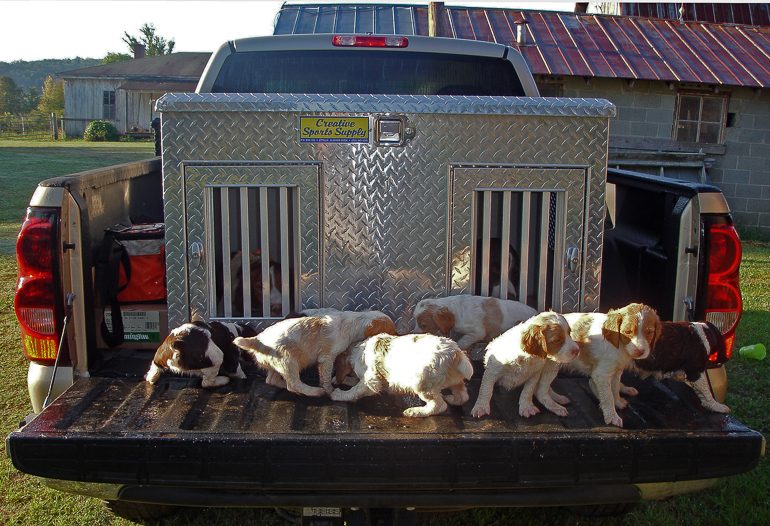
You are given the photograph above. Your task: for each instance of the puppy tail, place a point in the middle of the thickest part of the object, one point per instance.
(463, 365)
(251, 344)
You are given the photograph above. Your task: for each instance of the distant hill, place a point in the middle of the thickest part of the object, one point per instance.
(33, 73)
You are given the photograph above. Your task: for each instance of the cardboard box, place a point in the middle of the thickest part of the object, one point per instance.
(145, 325)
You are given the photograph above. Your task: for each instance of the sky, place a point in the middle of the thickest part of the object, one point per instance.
(41, 29)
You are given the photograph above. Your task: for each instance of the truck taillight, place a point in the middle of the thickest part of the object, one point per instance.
(369, 41)
(723, 296)
(37, 304)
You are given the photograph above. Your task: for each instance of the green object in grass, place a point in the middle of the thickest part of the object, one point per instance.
(756, 351)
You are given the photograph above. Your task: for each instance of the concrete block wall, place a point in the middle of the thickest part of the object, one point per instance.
(646, 110)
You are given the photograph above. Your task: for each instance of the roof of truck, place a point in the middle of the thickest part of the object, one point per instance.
(566, 43)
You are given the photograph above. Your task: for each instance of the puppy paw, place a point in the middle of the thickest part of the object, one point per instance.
(528, 410)
(614, 420)
(559, 399)
(558, 410)
(630, 391)
(217, 381)
(479, 411)
(460, 399)
(621, 403)
(716, 407)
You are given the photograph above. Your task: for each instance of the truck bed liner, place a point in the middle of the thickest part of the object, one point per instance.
(250, 435)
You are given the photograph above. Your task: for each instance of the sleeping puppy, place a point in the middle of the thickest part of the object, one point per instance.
(473, 319)
(685, 347)
(199, 349)
(291, 345)
(520, 356)
(416, 364)
(608, 343)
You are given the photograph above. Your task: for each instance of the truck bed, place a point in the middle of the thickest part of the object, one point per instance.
(116, 428)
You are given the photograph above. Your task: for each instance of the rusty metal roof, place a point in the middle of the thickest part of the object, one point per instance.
(719, 13)
(558, 43)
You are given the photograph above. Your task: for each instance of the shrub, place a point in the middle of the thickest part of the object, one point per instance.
(101, 131)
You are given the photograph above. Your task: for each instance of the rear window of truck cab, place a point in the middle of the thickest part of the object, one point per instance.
(367, 72)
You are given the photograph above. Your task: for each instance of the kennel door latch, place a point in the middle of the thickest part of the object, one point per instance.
(573, 259)
(196, 254)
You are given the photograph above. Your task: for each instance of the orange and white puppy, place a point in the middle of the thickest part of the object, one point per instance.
(417, 364)
(520, 356)
(608, 343)
(470, 319)
(289, 346)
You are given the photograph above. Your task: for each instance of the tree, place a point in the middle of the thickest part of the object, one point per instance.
(29, 101)
(52, 100)
(115, 57)
(154, 45)
(11, 95)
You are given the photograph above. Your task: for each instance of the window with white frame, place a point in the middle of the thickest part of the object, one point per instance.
(700, 117)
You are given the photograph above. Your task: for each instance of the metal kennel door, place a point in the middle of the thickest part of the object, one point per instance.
(538, 212)
(247, 216)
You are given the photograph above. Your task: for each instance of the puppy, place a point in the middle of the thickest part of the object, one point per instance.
(472, 318)
(257, 285)
(520, 356)
(686, 347)
(199, 349)
(416, 364)
(495, 268)
(608, 343)
(291, 345)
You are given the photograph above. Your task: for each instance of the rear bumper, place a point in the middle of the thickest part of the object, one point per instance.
(529, 497)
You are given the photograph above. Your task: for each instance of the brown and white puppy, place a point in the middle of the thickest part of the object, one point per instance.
(199, 349)
(608, 343)
(470, 319)
(416, 364)
(256, 284)
(291, 345)
(686, 347)
(520, 356)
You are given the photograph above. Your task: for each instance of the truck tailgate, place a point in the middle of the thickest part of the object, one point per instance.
(249, 435)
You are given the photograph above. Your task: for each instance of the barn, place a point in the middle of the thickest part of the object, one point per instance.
(691, 92)
(124, 93)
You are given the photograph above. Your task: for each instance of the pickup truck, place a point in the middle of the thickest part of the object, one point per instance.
(358, 172)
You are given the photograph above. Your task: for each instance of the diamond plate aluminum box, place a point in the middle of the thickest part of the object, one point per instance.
(384, 221)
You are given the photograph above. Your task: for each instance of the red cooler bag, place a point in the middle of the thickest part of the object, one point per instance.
(131, 268)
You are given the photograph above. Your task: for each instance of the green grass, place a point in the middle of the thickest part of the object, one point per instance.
(25, 163)
(742, 500)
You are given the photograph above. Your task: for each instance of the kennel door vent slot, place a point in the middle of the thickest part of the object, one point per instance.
(254, 227)
(518, 251)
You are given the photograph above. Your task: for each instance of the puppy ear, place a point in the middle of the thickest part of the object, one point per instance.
(380, 325)
(611, 327)
(656, 320)
(444, 319)
(533, 341)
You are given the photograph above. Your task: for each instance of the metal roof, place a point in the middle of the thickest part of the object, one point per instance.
(720, 13)
(558, 43)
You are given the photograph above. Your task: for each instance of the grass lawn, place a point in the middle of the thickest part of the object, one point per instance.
(742, 500)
